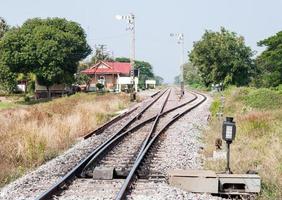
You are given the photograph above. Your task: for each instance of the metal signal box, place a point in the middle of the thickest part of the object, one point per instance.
(228, 130)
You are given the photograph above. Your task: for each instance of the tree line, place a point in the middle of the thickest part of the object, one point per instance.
(49, 50)
(223, 57)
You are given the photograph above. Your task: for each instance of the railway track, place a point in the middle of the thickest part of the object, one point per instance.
(128, 148)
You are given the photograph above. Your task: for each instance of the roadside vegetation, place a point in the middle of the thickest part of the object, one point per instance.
(258, 143)
(254, 98)
(30, 136)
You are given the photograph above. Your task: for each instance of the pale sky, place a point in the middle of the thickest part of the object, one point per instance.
(155, 20)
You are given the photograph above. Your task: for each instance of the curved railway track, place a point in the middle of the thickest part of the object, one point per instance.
(127, 148)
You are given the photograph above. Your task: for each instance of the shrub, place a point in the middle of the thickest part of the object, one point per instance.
(26, 99)
(100, 86)
(215, 107)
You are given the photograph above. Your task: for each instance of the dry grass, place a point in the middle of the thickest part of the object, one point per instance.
(31, 136)
(258, 143)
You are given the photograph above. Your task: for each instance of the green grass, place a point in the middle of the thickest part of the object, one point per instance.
(6, 105)
(215, 107)
(258, 142)
(263, 99)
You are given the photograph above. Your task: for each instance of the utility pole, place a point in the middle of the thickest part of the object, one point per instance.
(131, 27)
(180, 41)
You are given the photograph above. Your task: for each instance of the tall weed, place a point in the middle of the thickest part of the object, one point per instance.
(30, 136)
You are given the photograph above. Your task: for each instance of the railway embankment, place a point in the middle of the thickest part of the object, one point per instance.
(258, 143)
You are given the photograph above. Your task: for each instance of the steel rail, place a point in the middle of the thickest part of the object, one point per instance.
(153, 127)
(76, 171)
(114, 120)
(109, 123)
(155, 93)
(115, 140)
(121, 194)
(109, 147)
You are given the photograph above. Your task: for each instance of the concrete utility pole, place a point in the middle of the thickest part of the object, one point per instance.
(130, 27)
(180, 41)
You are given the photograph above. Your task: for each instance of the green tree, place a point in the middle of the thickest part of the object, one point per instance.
(100, 55)
(50, 48)
(269, 62)
(8, 81)
(145, 70)
(159, 80)
(191, 75)
(82, 66)
(222, 57)
(82, 79)
(3, 27)
(177, 80)
(122, 59)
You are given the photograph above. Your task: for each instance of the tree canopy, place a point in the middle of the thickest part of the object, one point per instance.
(191, 75)
(50, 48)
(3, 27)
(270, 61)
(159, 80)
(100, 55)
(8, 80)
(222, 57)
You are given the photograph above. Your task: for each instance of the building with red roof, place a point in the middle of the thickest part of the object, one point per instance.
(113, 75)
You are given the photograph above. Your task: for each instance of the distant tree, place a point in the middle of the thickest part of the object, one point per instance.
(8, 80)
(222, 57)
(191, 75)
(122, 59)
(82, 66)
(100, 55)
(177, 80)
(159, 80)
(269, 62)
(145, 70)
(3, 27)
(82, 79)
(50, 48)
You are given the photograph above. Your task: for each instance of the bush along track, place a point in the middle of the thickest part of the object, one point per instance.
(258, 143)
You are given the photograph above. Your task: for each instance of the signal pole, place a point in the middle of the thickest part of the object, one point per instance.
(180, 41)
(131, 27)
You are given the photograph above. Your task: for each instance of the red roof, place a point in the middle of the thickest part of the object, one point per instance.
(110, 68)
